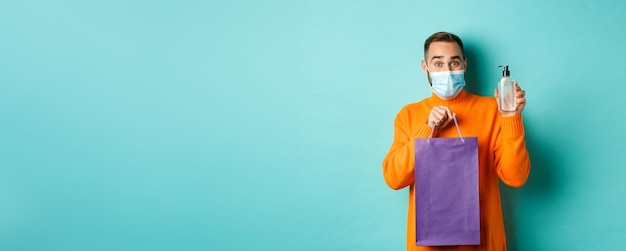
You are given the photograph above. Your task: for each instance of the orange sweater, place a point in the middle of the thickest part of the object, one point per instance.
(501, 149)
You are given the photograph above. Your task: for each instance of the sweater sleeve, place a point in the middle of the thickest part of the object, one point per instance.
(399, 163)
(512, 163)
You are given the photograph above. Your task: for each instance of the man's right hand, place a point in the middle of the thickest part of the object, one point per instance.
(440, 116)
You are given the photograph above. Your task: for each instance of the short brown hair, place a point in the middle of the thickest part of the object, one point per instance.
(443, 36)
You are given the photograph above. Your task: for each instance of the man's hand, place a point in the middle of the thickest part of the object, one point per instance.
(520, 100)
(440, 116)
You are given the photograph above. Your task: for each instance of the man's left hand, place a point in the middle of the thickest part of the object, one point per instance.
(520, 101)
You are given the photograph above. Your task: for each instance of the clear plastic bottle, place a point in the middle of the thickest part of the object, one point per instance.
(506, 91)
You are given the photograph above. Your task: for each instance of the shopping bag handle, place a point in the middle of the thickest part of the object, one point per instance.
(457, 128)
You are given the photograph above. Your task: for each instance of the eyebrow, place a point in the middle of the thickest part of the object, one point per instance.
(440, 57)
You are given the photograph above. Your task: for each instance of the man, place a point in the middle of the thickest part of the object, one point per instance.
(501, 146)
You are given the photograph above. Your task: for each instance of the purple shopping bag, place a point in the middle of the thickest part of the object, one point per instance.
(446, 191)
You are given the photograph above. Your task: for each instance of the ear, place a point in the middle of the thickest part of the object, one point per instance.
(424, 67)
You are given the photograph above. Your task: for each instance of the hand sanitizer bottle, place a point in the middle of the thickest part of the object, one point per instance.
(506, 91)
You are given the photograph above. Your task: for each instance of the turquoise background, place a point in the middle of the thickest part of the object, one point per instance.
(262, 125)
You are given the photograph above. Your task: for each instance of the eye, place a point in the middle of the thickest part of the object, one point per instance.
(455, 63)
(438, 64)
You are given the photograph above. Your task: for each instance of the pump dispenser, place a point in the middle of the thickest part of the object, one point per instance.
(506, 91)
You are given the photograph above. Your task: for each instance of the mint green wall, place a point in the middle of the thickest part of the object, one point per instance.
(262, 125)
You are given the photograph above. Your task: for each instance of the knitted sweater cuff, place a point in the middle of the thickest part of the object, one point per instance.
(512, 125)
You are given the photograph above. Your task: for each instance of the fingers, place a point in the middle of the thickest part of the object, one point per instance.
(441, 112)
(449, 113)
(520, 97)
(436, 117)
(519, 93)
(440, 116)
(521, 102)
(449, 116)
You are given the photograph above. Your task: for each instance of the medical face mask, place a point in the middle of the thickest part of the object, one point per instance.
(447, 84)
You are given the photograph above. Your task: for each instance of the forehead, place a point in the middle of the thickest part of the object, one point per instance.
(443, 49)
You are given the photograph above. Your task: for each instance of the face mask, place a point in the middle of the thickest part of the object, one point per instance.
(447, 84)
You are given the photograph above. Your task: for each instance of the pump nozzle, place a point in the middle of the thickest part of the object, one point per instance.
(505, 72)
